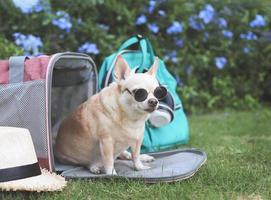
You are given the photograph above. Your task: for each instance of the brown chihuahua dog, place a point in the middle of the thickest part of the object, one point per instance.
(108, 123)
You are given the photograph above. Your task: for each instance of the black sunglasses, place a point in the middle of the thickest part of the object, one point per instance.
(142, 94)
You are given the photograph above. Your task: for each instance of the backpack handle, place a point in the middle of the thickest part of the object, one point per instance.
(16, 68)
(145, 48)
(129, 42)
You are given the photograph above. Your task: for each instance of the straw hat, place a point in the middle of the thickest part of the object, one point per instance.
(19, 168)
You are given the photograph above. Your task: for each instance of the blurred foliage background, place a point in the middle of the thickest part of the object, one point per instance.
(218, 50)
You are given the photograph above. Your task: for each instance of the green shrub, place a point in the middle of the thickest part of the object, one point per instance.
(8, 48)
(216, 47)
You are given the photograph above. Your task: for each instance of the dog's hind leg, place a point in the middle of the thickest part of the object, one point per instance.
(125, 155)
(65, 159)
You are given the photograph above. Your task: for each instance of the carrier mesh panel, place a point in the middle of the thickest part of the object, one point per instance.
(67, 94)
(23, 105)
(64, 101)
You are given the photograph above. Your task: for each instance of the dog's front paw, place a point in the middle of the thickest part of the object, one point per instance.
(139, 166)
(111, 172)
(114, 172)
(95, 169)
(142, 167)
(146, 158)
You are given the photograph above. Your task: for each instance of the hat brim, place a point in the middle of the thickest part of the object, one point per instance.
(45, 182)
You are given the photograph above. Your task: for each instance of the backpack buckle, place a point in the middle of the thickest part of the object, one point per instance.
(139, 37)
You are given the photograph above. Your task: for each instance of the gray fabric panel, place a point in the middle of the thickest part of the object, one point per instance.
(169, 166)
(68, 77)
(72, 63)
(23, 105)
(16, 69)
(66, 98)
(70, 71)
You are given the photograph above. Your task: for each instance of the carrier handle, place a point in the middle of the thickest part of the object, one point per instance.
(16, 69)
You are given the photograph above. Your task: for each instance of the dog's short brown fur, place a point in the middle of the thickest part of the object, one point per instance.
(108, 123)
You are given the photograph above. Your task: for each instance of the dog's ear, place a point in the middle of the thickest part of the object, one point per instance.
(153, 70)
(122, 69)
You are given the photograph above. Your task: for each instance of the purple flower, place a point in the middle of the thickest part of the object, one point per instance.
(259, 21)
(29, 43)
(103, 27)
(79, 21)
(220, 62)
(179, 43)
(172, 56)
(222, 23)
(206, 36)
(142, 19)
(90, 48)
(207, 14)
(194, 23)
(175, 28)
(62, 21)
(227, 34)
(248, 36)
(29, 6)
(153, 28)
(38, 8)
(246, 50)
(152, 4)
(162, 13)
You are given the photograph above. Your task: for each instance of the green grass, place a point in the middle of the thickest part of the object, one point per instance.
(238, 145)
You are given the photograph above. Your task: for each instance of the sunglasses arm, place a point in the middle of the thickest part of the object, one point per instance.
(128, 91)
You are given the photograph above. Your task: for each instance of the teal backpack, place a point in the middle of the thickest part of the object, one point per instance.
(155, 138)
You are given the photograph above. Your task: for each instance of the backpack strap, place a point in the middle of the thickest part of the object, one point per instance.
(16, 69)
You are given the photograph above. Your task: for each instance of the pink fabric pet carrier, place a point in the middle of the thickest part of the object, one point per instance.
(37, 93)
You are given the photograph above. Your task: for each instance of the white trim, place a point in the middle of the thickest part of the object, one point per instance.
(179, 106)
(48, 126)
(165, 106)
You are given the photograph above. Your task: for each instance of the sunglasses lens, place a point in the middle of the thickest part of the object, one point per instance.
(160, 92)
(140, 95)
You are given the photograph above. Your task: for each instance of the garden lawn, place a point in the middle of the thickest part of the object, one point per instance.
(238, 145)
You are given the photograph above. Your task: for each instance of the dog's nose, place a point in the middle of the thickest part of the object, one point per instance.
(152, 102)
